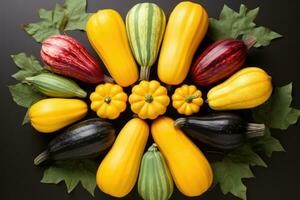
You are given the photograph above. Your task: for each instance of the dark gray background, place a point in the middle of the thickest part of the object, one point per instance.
(19, 179)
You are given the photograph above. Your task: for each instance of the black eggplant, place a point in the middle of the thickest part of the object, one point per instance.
(83, 140)
(220, 130)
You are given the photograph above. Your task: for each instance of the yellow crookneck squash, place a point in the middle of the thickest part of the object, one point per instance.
(190, 169)
(49, 115)
(107, 33)
(248, 88)
(187, 99)
(185, 30)
(118, 172)
(149, 99)
(108, 100)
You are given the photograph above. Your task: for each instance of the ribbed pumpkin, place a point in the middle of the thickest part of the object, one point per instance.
(56, 86)
(248, 88)
(119, 169)
(49, 115)
(185, 30)
(106, 32)
(190, 169)
(155, 181)
(145, 24)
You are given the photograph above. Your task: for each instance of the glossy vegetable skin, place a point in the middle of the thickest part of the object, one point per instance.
(145, 24)
(66, 56)
(149, 99)
(187, 99)
(220, 60)
(220, 130)
(185, 30)
(56, 86)
(118, 172)
(108, 100)
(106, 32)
(248, 88)
(155, 181)
(86, 139)
(190, 169)
(49, 115)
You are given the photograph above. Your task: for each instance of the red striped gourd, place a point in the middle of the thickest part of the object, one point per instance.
(145, 24)
(185, 30)
(155, 181)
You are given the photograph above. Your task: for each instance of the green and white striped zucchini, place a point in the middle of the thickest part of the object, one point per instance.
(56, 86)
(155, 181)
(145, 24)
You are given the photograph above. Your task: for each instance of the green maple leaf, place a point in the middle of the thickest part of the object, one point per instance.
(69, 16)
(277, 111)
(73, 172)
(233, 24)
(28, 66)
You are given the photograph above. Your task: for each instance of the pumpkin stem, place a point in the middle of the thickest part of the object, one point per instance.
(249, 42)
(145, 73)
(153, 147)
(189, 99)
(148, 98)
(107, 99)
(179, 122)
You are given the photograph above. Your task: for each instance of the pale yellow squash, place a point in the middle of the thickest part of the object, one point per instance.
(118, 172)
(107, 33)
(190, 169)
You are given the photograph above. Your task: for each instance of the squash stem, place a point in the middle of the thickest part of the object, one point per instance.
(255, 130)
(108, 79)
(153, 147)
(41, 158)
(249, 42)
(179, 122)
(81, 93)
(189, 99)
(145, 73)
(148, 98)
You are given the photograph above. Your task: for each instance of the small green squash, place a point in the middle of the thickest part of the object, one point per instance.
(145, 24)
(56, 86)
(155, 181)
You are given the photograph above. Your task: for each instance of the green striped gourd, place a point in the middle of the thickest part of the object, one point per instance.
(145, 24)
(155, 181)
(56, 86)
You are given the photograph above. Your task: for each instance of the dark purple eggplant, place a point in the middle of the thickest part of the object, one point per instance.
(221, 130)
(83, 140)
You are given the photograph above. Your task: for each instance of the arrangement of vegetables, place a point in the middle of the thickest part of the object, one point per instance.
(144, 38)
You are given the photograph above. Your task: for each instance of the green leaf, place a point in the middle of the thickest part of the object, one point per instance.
(24, 95)
(277, 111)
(73, 172)
(70, 16)
(51, 23)
(266, 144)
(77, 16)
(28, 65)
(26, 118)
(229, 175)
(233, 24)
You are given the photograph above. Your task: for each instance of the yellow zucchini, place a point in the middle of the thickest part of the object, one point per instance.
(107, 34)
(190, 169)
(185, 30)
(118, 172)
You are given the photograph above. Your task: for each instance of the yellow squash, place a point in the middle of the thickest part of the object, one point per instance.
(190, 169)
(185, 30)
(149, 99)
(118, 171)
(108, 100)
(49, 115)
(248, 88)
(187, 99)
(107, 34)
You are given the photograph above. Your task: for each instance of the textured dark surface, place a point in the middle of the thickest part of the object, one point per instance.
(19, 179)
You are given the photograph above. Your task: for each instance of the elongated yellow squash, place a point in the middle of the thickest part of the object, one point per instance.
(190, 169)
(185, 30)
(248, 88)
(118, 172)
(49, 115)
(107, 34)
